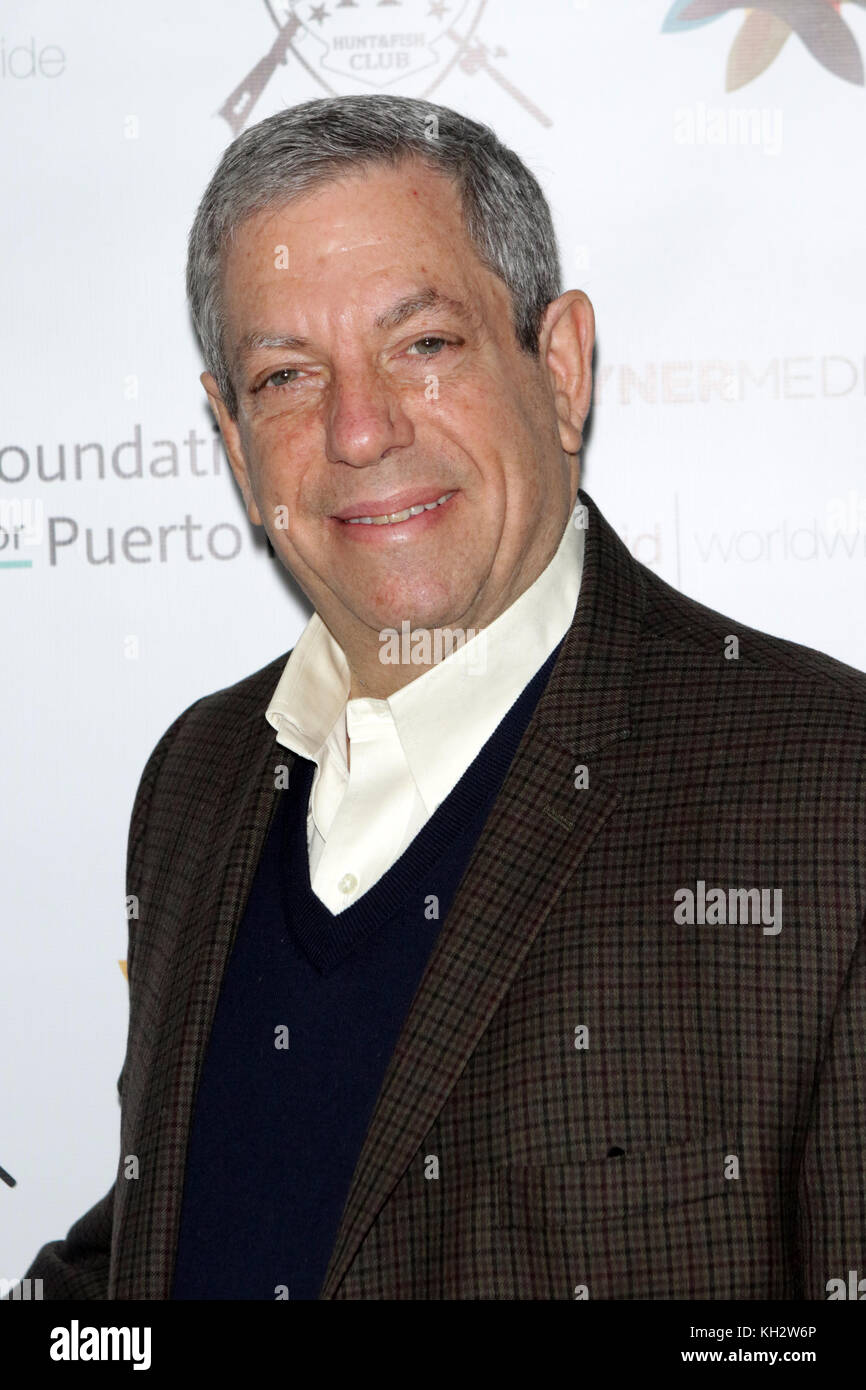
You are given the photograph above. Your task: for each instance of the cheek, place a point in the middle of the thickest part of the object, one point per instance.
(475, 428)
(489, 418)
(275, 473)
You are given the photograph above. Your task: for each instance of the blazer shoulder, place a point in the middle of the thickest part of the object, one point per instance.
(697, 632)
(213, 727)
(247, 698)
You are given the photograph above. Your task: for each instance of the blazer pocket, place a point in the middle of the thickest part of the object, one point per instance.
(576, 1195)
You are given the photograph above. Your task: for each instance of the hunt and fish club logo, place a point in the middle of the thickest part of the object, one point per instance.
(766, 28)
(349, 45)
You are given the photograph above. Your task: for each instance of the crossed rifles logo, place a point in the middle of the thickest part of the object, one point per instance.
(376, 43)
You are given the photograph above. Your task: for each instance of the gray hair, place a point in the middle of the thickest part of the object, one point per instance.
(507, 217)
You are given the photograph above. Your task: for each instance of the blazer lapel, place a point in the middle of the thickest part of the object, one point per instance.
(537, 834)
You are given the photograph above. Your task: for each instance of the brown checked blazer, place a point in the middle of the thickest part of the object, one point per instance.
(623, 1105)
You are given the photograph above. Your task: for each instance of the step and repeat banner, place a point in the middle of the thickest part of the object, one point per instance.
(704, 163)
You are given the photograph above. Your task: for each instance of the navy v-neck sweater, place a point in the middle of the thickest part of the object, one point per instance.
(308, 1016)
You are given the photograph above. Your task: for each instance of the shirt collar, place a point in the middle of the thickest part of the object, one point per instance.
(450, 710)
(311, 693)
(455, 706)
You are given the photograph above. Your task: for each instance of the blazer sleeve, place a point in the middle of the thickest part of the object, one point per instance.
(77, 1267)
(831, 1209)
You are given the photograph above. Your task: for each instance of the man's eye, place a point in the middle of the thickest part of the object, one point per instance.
(428, 339)
(281, 378)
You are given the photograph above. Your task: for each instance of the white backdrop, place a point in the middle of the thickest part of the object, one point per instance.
(719, 234)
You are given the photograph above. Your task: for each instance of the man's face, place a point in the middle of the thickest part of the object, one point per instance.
(377, 370)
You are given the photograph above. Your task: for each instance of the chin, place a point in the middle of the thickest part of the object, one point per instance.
(421, 609)
(419, 616)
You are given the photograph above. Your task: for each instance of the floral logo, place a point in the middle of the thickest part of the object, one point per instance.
(767, 26)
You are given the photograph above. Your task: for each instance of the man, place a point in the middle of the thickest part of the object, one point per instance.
(531, 970)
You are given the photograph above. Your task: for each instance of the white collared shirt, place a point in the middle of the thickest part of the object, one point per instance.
(410, 750)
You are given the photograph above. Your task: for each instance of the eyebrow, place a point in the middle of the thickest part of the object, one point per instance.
(412, 304)
(399, 313)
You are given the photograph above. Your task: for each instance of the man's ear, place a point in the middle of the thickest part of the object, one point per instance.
(566, 342)
(232, 440)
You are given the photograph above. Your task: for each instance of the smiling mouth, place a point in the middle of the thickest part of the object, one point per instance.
(391, 518)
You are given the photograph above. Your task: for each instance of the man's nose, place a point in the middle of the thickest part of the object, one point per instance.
(365, 419)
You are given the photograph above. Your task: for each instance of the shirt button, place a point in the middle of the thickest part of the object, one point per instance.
(348, 883)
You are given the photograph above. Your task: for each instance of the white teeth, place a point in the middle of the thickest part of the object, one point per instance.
(388, 519)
